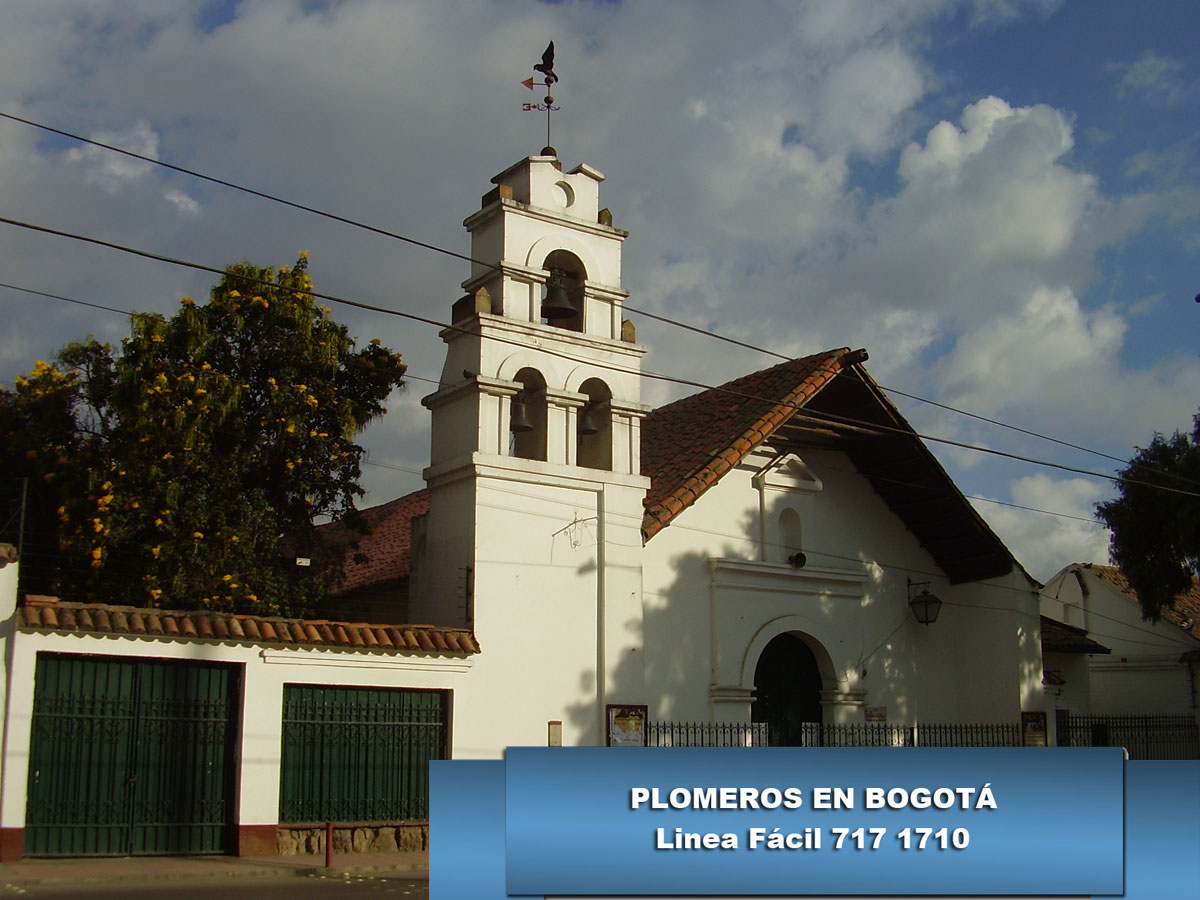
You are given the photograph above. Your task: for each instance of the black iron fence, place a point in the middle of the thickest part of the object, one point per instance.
(816, 734)
(706, 734)
(932, 734)
(1144, 736)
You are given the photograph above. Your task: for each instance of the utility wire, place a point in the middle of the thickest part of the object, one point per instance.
(828, 417)
(113, 309)
(414, 377)
(237, 187)
(492, 266)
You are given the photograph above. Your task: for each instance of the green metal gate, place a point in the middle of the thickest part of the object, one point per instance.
(359, 754)
(131, 757)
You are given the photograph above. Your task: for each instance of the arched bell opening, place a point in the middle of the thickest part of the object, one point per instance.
(527, 417)
(562, 300)
(593, 427)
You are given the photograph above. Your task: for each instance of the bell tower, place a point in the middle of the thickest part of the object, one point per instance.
(535, 488)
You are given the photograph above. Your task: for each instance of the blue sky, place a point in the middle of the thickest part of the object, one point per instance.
(999, 199)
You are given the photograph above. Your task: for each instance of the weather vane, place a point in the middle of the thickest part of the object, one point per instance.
(546, 67)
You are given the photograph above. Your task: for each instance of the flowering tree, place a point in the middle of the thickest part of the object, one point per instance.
(182, 467)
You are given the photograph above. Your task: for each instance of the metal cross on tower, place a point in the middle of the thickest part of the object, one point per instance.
(546, 67)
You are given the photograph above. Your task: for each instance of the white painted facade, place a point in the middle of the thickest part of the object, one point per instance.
(535, 543)
(573, 612)
(263, 673)
(1146, 672)
(535, 540)
(719, 587)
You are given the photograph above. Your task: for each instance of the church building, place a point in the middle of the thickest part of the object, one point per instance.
(759, 558)
(754, 552)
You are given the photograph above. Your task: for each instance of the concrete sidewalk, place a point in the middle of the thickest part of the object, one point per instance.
(109, 870)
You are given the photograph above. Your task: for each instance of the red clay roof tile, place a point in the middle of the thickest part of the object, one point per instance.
(382, 555)
(678, 452)
(49, 614)
(1184, 612)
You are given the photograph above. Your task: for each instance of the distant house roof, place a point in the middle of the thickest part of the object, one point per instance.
(1058, 637)
(380, 556)
(826, 399)
(48, 614)
(1184, 612)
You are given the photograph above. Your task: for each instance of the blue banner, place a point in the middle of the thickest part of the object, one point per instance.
(469, 803)
(814, 821)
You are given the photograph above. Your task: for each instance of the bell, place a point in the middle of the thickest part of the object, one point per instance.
(556, 304)
(518, 421)
(587, 425)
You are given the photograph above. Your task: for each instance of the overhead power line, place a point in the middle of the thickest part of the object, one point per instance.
(414, 377)
(492, 266)
(830, 417)
(238, 187)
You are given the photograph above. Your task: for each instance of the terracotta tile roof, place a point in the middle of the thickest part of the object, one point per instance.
(688, 445)
(1058, 637)
(381, 556)
(48, 614)
(1184, 612)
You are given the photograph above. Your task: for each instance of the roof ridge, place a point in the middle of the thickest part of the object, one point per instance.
(818, 370)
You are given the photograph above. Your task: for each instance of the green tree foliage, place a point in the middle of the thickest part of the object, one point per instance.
(1155, 522)
(186, 470)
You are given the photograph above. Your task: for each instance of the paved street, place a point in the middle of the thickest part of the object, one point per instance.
(258, 888)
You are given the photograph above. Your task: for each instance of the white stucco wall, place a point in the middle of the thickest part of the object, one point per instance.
(981, 660)
(1144, 673)
(263, 673)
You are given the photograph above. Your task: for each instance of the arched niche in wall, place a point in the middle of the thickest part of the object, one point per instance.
(527, 418)
(562, 299)
(784, 484)
(791, 533)
(594, 427)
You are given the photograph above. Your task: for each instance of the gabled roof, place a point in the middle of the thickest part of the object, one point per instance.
(1059, 637)
(47, 614)
(689, 444)
(825, 400)
(1184, 612)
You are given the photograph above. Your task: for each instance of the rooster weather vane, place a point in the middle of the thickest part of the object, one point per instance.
(546, 68)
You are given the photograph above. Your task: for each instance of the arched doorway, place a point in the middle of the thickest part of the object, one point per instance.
(787, 688)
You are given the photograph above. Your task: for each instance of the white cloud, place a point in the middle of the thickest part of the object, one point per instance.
(182, 202)
(1056, 366)
(1157, 79)
(862, 98)
(961, 260)
(1044, 543)
(109, 170)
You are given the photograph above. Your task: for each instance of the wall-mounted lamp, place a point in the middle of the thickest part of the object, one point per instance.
(924, 605)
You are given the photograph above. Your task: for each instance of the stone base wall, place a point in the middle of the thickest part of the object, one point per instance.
(301, 840)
